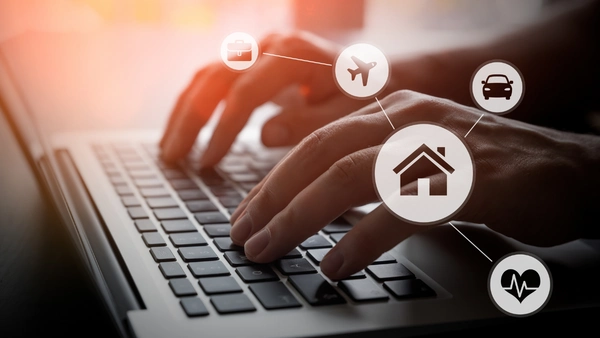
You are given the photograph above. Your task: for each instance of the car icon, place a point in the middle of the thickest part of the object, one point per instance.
(497, 85)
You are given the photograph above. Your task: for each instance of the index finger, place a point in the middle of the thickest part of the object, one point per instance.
(270, 75)
(194, 107)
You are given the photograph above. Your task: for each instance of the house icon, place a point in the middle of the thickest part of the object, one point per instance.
(422, 164)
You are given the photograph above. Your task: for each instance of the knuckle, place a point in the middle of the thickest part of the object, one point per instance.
(403, 95)
(344, 170)
(294, 42)
(418, 104)
(265, 197)
(292, 214)
(312, 143)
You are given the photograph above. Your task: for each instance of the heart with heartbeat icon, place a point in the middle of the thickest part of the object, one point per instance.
(520, 285)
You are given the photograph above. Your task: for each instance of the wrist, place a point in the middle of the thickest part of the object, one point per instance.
(445, 74)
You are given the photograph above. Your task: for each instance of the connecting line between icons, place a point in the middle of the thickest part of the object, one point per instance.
(473, 244)
(467, 134)
(384, 113)
(296, 59)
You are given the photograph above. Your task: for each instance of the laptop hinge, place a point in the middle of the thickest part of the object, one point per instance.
(104, 265)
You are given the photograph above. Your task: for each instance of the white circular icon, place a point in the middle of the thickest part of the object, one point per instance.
(239, 51)
(361, 71)
(497, 87)
(520, 284)
(424, 173)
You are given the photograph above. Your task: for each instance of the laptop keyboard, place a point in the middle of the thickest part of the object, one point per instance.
(201, 243)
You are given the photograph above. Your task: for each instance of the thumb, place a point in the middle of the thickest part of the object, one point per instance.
(286, 128)
(295, 123)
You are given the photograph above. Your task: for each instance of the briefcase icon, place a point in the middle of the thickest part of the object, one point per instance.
(239, 51)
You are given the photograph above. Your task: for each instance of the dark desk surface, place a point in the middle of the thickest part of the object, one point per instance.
(44, 289)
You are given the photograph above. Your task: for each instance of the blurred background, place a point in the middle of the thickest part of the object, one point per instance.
(320, 16)
(122, 63)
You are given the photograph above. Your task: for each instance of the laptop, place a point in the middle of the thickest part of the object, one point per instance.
(154, 237)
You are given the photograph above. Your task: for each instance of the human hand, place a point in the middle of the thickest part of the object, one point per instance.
(320, 104)
(524, 175)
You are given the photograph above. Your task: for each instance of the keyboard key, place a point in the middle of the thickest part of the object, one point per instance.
(197, 253)
(237, 258)
(134, 163)
(187, 239)
(162, 254)
(169, 213)
(173, 174)
(385, 259)
(235, 167)
(130, 201)
(247, 186)
(171, 269)
(123, 190)
(256, 273)
(180, 225)
(225, 244)
(147, 182)
(193, 307)
(338, 225)
(316, 290)
(385, 272)
(295, 266)
(218, 230)
(182, 287)
(153, 239)
(244, 177)
(154, 192)
(361, 290)
(337, 236)
(224, 191)
(274, 295)
(232, 303)
(215, 285)
(293, 254)
(161, 202)
(357, 275)
(183, 183)
(201, 206)
(210, 176)
(112, 171)
(137, 212)
(139, 174)
(192, 194)
(230, 202)
(409, 288)
(144, 225)
(208, 269)
(261, 166)
(317, 255)
(315, 242)
(117, 180)
(211, 217)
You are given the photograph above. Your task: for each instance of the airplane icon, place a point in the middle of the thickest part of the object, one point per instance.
(363, 69)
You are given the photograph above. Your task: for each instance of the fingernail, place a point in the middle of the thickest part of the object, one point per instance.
(257, 243)
(241, 229)
(276, 134)
(332, 262)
